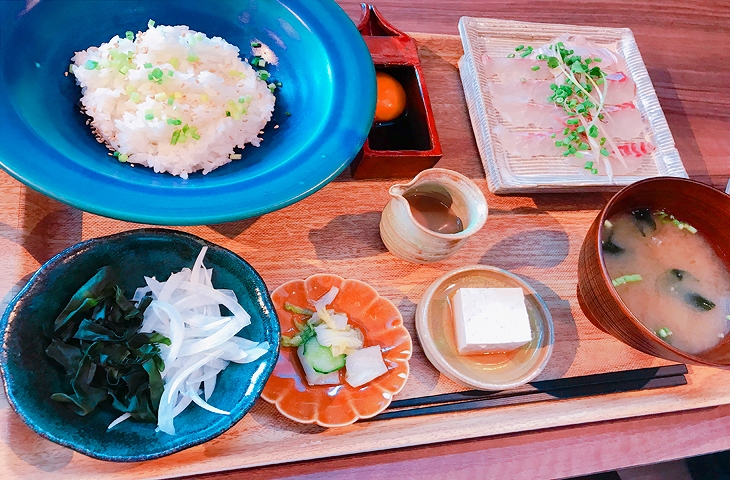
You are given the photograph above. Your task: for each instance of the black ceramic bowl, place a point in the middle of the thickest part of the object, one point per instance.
(31, 377)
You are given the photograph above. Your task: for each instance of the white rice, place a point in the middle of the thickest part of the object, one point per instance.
(220, 98)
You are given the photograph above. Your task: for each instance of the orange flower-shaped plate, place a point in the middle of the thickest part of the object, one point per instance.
(337, 405)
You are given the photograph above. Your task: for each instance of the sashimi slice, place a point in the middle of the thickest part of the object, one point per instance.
(610, 60)
(621, 89)
(536, 144)
(530, 114)
(622, 121)
(516, 69)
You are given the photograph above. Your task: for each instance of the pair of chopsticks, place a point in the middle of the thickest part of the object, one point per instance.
(562, 388)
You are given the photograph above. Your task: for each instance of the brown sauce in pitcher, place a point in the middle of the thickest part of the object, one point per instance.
(433, 211)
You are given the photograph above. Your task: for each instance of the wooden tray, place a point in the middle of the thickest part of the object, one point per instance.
(336, 231)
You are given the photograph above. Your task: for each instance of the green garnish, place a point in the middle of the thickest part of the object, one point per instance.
(519, 47)
(170, 73)
(174, 121)
(511, 55)
(157, 73)
(298, 310)
(106, 360)
(175, 137)
(263, 75)
(174, 62)
(129, 35)
(170, 100)
(149, 115)
(255, 44)
(123, 157)
(604, 152)
(91, 64)
(663, 333)
(535, 68)
(192, 57)
(134, 96)
(626, 279)
(151, 24)
(589, 166)
(148, 65)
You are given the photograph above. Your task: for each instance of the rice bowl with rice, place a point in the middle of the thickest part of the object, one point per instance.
(173, 99)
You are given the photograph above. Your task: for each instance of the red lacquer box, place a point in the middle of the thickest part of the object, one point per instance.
(409, 144)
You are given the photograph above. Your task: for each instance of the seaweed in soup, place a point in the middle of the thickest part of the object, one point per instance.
(680, 282)
(644, 220)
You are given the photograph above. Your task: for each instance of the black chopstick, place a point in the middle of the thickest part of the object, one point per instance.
(562, 388)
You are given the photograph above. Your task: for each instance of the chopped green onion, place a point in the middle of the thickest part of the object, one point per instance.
(519, 47)
(170, 73)
(263, 75)
(663, 333)
(580, 129)
(192, 57)
(255, 44)
(134, 96)
(151, 24)
(124, 69)
(602, 141)
(511, 55)
(593, 131)
(594, 171)
(589, 166)
(90, 64)
(175, 137)
(157, 73)
(115, 154)
(174, 121)
(552, 62)
(123, 157)
(553, 135)
(174, 62)
(170, 101)
(572, 121)
(195, 136)
(228, 114)
(535, 68)
(241, 99)
(596, 59)
(148, 65)
(129, 35)
(149, 116)
(604, 152)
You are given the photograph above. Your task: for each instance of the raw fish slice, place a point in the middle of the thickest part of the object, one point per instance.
(527, 144)
(621, 89)
(623, 122)
(530, 114)
(536, 91)
(511, 70)
(610, 60)
(536, 144)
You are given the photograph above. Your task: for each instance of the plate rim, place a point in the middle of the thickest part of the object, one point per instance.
(445, 367)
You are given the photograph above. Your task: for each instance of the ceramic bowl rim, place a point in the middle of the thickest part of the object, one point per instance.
(445, 367)
(49, 266)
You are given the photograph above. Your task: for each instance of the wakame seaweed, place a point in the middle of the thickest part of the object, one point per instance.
(106, 360)
(643, 220)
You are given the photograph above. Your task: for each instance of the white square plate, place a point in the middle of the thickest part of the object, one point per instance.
(509, 174)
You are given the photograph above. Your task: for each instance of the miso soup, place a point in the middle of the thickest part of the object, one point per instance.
(670, 278)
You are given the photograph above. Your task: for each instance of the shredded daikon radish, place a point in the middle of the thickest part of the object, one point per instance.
(186, 309)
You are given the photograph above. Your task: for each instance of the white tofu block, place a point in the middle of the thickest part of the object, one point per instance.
(490, 320)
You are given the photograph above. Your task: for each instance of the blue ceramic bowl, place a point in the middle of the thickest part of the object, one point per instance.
(31, 377)
(328, 88)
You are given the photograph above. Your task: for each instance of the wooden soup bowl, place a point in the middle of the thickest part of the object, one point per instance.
(705, 208)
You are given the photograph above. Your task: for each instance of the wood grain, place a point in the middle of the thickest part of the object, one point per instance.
(537, 237)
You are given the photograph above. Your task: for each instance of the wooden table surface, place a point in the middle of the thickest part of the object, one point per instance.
(684, 47)
(692, 81)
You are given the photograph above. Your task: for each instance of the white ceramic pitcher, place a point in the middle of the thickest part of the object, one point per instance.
(406, 238)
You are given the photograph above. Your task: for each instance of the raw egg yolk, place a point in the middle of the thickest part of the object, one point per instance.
(391, 98)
